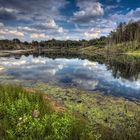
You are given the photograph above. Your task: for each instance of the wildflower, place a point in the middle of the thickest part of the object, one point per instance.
(36, 113)
(20, 118)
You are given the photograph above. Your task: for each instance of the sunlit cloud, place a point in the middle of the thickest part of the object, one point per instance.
(38, 36)
(89, 10)
(63, 19)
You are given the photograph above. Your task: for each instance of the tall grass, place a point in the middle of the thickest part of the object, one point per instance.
(25, 115)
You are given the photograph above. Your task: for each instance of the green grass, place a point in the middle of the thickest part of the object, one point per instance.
(125, 47)
(91, 50)
(87, 116)
(134, 53)
(109, 118)
(26, 115)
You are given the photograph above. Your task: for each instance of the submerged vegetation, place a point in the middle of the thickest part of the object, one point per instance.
(108, 117)
(29, 114)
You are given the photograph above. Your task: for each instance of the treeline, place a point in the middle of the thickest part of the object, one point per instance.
(50, 44)
(14, 44)
(125, 33)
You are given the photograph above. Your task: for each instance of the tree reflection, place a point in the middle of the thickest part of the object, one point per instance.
(124, 66)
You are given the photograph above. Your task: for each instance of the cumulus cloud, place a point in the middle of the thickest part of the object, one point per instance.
(131, 15)
(9, 32)
(37, 32)
(16, 33)
(48, 25)
(89, 10)
(30, 17)
(87, 19)
(32, 9)
(1, 25)
(97, 32)
(93, 33)
(134, 14)
(27, 29)
(7, 13)
(39, 36)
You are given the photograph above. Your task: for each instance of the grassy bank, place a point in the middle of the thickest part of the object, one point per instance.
(108, 117)
(30, 114)
(131, 48)
(4, 53)
(125, 47)
(134, 53)
(91, 51)
(27, 115)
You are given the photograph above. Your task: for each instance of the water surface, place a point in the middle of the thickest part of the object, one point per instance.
(109, 77)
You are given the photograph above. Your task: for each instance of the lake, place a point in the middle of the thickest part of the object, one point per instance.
(110, 76)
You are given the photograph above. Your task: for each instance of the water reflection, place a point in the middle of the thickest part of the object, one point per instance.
(124, 66)
(119, 77)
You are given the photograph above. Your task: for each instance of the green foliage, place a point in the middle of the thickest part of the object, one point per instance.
(17, 119)
(51, 45)
(125, 33)
(27, 115)
(108, 118)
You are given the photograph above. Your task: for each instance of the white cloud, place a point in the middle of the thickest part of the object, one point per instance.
(51, 24)
(93, 33)
(45, 31)
(96, 32)
(16, 33)
(134, 14)
(9, 32)
(60, 30)
(27, 29)
(110, 7)
(89, 10)
(33, 10)
(48, 26)
(39, 36)
(131, 15)
(10, 10)
(1, 25)
(44, 18)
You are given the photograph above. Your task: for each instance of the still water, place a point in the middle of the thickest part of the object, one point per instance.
(115, 77)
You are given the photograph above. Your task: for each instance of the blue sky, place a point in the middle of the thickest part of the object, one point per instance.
(64, 19)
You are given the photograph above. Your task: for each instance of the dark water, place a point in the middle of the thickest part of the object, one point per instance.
(119, 76)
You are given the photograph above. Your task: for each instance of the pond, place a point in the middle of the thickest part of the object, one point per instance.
(111, 76)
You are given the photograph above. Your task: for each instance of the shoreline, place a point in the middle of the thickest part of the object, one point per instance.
(15, 52)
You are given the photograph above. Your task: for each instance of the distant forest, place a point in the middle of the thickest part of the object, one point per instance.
(123, 33)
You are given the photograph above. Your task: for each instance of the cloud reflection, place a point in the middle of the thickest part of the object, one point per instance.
(82, 73)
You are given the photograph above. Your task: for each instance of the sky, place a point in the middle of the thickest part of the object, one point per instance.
(39, 20)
